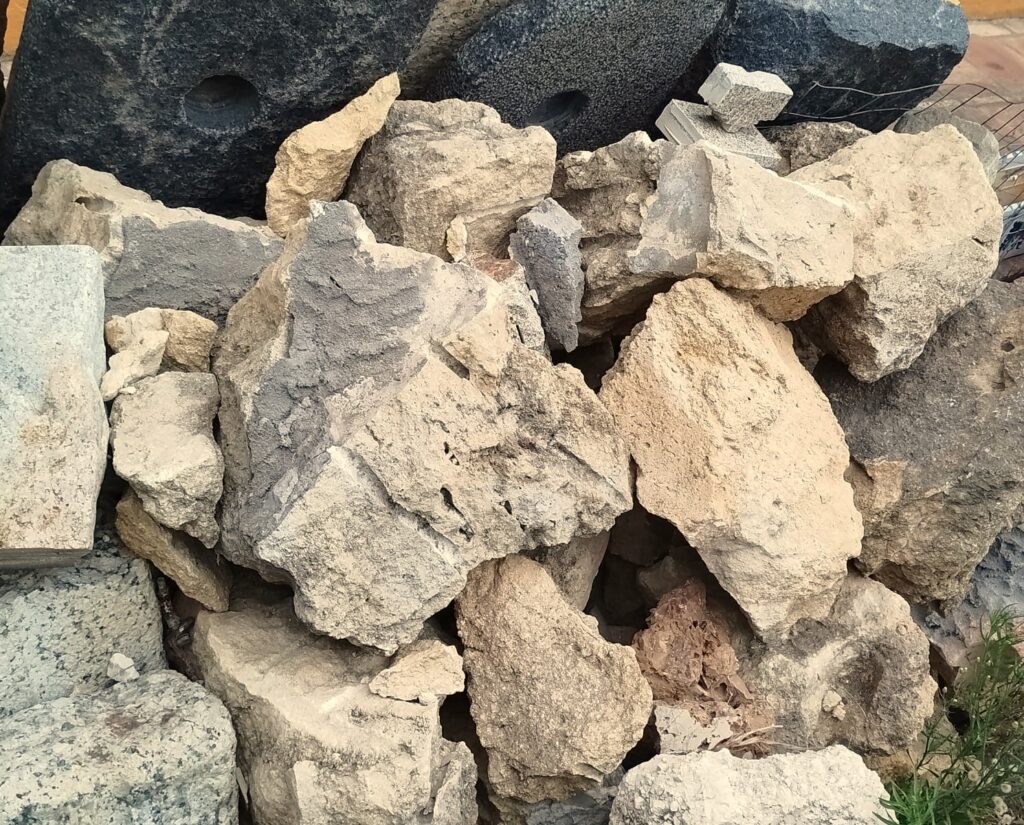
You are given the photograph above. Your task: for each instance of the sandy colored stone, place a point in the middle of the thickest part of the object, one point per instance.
(189, 337)
(121, 668)
(573, 566)
(141, 359)
(805, 143)
(738, 448)
(162, 439)
(423, 671)
(783, 245)
(985, 143)
(196, 570)
(556, 706)
(314, 162)
(926, 226)
(434, 163)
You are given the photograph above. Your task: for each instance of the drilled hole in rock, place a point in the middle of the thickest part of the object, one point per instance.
(1008, 346)
(558, 111)
(222, 103)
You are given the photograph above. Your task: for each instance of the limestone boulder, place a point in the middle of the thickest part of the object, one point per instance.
(314, 162)
(53, 426)
(737, 447)
(573, 566)
(805, 143)
(435, 164)
(860, 677)
(556, 706)
(926, 227)
(188, 342)
(717, 788)
(152, 256)
(936, 469)
(985, 144)
(783, 245)
(315, 744)
(162, 438)
(385, 432)
(157, 749)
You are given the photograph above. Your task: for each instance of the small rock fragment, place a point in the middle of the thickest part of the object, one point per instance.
(686, 123)
(573, 566)
(805, 143)
(680, 733)
(589, 807)
(121, 668)
(424, 671)
(140, 359)
(740, 99)
(162, 438)
(314, 162)
(189, 337)
(527, 650)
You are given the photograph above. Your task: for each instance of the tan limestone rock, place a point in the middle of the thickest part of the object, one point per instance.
(423, 671)
(189, 337)
(573, 566)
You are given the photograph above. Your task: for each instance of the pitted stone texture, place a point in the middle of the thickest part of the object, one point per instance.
(162, 439)
(438, 163)
(59, 628)
(385, 432)
(926, 227)
(190, 101)
(573, 566)
(688, 123)
(590, 72)
(188, 337)
(985, 144)
(741, 99)
(53, 427)
(315, 745)
(556, 706)
(859, 677)
(717, 788)
(837, 55)
(937, 471)
(152, 256)
(314, 162)
(157, 749)
(782, 245)
(805, 143)
(738, 448)
(547, 245)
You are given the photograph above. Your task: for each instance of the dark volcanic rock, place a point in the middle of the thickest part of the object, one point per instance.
(589, 71)
(876, 46)
(188, 100)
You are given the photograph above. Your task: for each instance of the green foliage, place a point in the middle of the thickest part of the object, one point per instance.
(974, 775)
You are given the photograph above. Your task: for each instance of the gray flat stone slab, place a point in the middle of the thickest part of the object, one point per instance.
(686, 123)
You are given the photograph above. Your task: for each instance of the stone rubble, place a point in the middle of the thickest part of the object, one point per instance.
(805, 143)
(740, 99)
(686, 123)
(121, 668)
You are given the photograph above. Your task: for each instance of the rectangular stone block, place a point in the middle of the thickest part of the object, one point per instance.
(740, 99)
(686, 123)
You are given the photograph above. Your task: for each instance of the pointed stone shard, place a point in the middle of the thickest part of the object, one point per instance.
(738, 448)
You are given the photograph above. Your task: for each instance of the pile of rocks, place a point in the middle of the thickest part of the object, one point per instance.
(485, 484)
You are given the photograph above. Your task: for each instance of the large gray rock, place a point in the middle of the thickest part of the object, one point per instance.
(159, 749)
(190, 101)
(716, 788)
(59, 628)
(590, 72)
(937, 471)
(385, 431)
(53, 427)
(984, 142)
(315, 744)
(152, 256)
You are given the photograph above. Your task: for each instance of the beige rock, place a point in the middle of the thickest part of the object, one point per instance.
(189, 338)
(805, 143)
(162, 438)
(573, 566)
(736, 445)
(314, 162)
(315, 745)
(437, 163)
(141, 359)
(424, 671)
(196, 570)
(926, 227)
(680, 733)
(783, 245)
(555, 705)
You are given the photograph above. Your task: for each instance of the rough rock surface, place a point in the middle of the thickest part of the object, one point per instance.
(685, 123)
(737, 447)
(717, 788)
(198, 572)
(432, 440)
(162, 438)
(985, 144)
(527, 649)
(573, 66)
(590, 807)
(435, 164)
(783, 245)
(805, 143)
(937, 471)
(315, 745)
(139, 359)
(573, 566)
(679, 731)
(59, 627)
(189, 337)
(158, 749)
(926, 227)
(741, 99)
(53, 427)
(547, 245)
(314, 162)
(152, 256)
(424, 671)
(859, 678)
(122, 668)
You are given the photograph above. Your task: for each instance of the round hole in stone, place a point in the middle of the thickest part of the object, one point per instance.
(1008, 346)
(558, 111)
(222, 103)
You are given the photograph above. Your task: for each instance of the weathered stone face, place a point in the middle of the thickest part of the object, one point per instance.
(741, 99)
(385, 432)
(805, 143)
(189, 102)
(53, 427)
(936, 469)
